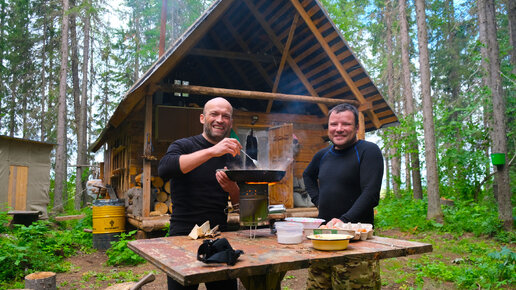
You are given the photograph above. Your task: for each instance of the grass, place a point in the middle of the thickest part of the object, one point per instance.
(470, 249)
(93, 279)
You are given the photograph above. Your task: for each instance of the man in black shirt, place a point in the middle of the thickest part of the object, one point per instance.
(199, 192)
(344, 182)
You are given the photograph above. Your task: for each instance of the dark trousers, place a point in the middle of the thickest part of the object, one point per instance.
(216, 285)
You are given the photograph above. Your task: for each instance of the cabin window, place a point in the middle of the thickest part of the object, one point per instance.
(184, 83)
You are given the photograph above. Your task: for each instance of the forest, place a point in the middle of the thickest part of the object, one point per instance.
(447, 69)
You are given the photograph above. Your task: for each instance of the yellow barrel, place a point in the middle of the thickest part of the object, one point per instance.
(108, 216)
(108, 222)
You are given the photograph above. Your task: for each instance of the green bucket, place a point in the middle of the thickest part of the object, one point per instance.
(498, 158)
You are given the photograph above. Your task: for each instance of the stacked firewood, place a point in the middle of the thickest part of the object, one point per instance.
(160, 197)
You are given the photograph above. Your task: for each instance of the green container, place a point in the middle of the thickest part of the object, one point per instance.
(498, 158)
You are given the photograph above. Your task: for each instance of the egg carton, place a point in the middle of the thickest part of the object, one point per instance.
(358, 231)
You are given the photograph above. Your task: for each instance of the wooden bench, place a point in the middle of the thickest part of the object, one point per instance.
(24, 217)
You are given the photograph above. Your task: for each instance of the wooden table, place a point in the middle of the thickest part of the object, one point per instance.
(264, 262)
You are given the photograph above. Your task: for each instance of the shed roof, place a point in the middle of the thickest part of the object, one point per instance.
(288, 47)
(7, 138)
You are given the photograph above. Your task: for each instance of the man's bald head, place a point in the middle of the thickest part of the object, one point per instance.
(217, 102)
(217, 119)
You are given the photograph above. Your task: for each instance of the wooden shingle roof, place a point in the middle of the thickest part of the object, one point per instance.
(287, 47)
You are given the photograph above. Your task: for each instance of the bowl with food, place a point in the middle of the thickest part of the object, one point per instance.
(330, 242)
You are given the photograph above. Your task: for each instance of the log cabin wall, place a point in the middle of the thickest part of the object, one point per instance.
(125, 148)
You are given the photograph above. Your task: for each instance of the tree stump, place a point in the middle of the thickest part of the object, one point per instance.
(41, 280)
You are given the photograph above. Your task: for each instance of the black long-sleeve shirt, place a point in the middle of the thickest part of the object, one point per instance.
(196, 196)
(345, 184)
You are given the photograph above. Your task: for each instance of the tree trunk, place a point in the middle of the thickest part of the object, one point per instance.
(91, 101)
(136, 74)
(60, 181)
(390, 96)
(482, 27)
(409, 101)
(75, 67)
(163, 27)
(43, 79)
(408, 175)
(41, 280)
(76, 100)
(511, 7)
(387, 173)
(2, 47)
(24, 112)
(434, 205)
(12, 110)
(83, 116)
(498, 133)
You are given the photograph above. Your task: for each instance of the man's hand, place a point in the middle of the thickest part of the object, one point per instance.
(228, 185)
(335, 222)
(188, 162)
(227, 145)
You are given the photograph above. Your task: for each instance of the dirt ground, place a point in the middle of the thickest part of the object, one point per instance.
(90, 271)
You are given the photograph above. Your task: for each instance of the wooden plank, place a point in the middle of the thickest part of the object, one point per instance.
(235, 65)
(147, 152)
(231, 55)
(69, 217)
(293, 65)
(17, 187)
(354, 87)
(283, 60)
(281, 157)
(361, 126)
(244, 118)
(244, 47)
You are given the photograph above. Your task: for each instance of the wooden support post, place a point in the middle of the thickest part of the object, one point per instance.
(147, 148)
(361, 126)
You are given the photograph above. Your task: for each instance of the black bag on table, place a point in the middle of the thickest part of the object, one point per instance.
(218, 251)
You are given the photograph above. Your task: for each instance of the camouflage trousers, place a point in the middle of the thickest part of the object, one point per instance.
(352, 275)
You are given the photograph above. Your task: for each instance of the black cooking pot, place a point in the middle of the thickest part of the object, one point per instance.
(254, 175)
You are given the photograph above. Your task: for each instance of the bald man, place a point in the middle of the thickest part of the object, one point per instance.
(199, 192)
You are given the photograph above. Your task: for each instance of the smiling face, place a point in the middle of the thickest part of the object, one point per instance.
(217, 120)
(342, 129)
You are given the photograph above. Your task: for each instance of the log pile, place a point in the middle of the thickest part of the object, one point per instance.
(160, 197)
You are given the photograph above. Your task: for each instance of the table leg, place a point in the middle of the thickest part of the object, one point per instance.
(267, 281)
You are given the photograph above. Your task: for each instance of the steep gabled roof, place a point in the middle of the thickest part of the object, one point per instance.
(282, 46)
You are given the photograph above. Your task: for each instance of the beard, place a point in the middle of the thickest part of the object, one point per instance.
(208, 130)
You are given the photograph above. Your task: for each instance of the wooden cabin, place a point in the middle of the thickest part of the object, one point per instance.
(282, 64)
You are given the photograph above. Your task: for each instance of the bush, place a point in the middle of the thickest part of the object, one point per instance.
(408, 214)
(38, 247)
(120, 254)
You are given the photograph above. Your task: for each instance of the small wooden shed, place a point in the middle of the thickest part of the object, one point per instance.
(281, 64)
(25, 169)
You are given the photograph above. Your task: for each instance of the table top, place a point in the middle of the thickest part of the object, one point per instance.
(177, 256)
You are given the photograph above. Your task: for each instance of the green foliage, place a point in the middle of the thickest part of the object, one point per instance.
(120, 254)
(408, 214)
(39, 247)
(464, 252)
(478, 270)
